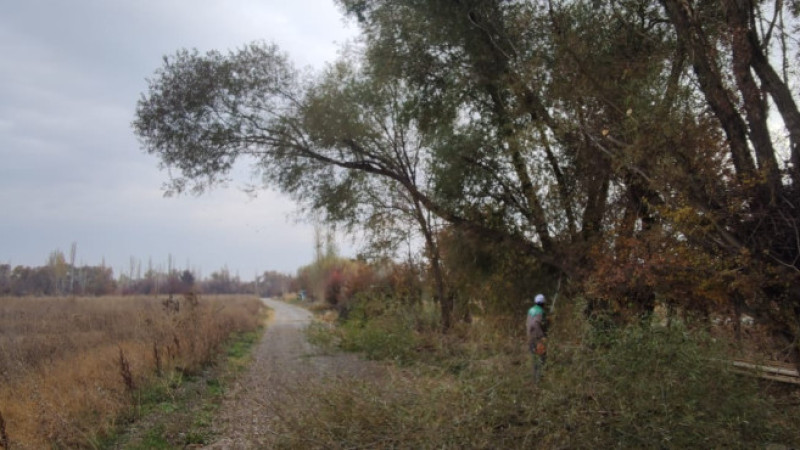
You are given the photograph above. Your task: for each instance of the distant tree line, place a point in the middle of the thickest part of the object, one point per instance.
(61, 278)
(175, 281)
(45, 281)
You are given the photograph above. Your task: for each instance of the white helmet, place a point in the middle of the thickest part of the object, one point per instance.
(539, 300)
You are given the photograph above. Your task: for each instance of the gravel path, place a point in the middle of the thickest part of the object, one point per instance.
(283, 362)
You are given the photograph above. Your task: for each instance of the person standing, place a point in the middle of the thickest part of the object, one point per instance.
(537, 334)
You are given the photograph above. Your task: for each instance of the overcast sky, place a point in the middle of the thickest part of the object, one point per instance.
(71, 168)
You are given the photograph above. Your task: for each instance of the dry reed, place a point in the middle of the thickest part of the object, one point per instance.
(68, 367)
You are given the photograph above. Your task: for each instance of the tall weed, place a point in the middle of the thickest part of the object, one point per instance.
(70, 369)
(654, 388)
(636, 387)
(382, 330)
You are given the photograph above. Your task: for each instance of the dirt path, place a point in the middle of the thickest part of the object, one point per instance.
(282, 363)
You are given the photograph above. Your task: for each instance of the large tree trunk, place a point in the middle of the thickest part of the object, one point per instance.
(711, 83)
(432, 249)
(782, 96)
(754, 104)
(445, 300)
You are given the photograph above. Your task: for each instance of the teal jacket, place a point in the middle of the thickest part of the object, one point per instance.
(535, 324)
(535, 310)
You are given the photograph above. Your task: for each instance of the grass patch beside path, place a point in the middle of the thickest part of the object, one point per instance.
(238, 351)
(177, 411)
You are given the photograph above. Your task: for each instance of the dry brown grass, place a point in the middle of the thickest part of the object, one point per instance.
(68, 367)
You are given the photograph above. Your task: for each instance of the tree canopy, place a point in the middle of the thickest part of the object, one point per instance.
(641, 150)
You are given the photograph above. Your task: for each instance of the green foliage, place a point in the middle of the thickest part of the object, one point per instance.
(203, 110)
(238, 352)
(632, 387)
(656, 388)
(495, 277)
(379, 330)
(176, 410)
(154, 439)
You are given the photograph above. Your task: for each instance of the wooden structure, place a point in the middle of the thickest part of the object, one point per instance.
(783, 372)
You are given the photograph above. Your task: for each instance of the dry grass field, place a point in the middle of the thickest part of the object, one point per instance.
(71, 368)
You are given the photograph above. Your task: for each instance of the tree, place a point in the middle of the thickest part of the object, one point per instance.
(187, 281)
(591, 136)
(73, 251)
(402, 140)
(274, 284)
(5, 279)
(98, 280)
(343, 145)
(59, 270)
(755, 225)
(521, 127)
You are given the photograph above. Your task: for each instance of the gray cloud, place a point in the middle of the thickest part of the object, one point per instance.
(72, 170)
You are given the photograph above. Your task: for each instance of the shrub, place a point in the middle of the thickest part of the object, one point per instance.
(653, 388)
(631, 387)
(379, 331)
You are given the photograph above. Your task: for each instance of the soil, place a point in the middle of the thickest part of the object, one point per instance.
(282, 363)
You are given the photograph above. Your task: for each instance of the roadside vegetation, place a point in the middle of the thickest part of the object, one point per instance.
(179, 411)
(612, 380)
(76, 371)
(646, 385)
